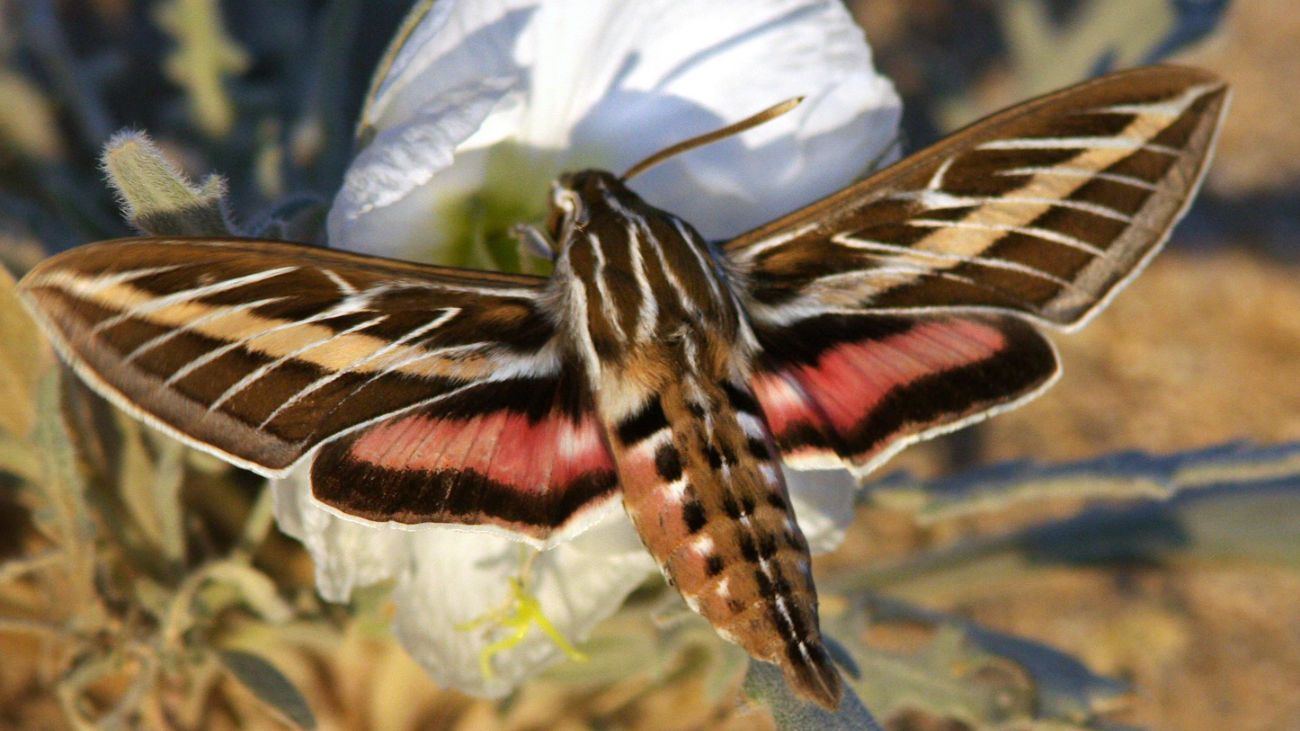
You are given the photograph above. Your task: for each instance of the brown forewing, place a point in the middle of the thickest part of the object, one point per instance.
(1043, 209)
(260, 350)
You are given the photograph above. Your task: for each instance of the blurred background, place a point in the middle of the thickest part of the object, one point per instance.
(1121, 553)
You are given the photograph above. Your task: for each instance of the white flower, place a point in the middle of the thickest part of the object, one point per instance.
(485, 103)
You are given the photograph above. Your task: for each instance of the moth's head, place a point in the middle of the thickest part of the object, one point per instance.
(574, 195)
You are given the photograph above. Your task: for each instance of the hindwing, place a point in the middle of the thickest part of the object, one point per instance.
(526, 454)
(852, 390)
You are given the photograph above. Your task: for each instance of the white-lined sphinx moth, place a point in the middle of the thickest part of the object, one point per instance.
(653, 365)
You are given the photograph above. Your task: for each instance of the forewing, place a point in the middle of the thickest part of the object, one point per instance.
(1043, 210)
(258, 351)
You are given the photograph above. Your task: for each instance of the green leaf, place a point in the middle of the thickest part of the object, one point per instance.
(1049, 56)
(269, 685)
(937, 677)
(254, 588)
(24, 357)
(1225, 504)
(1063, 687)
(204, 56)
(28, 126)
(221, 584)
(1229, 521)
(156, 196)
(1232, 523)
(1120, 475)
(763, 682)
(151, 491)
(19, 458)
(62, 512)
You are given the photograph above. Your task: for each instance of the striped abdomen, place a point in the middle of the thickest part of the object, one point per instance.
(705, 492)
(665, 344)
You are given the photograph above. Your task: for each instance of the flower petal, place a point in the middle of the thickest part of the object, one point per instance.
(457, 577)
(823, 505)
(448, 576)
(406, 156)
(348, 554)
(680, 69)
(606, 83)
(453, 44)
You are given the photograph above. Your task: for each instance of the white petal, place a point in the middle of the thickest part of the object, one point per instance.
(676, 69)
(606, 83)
(448, 576)
(456, 577)
(823, 505)
(348, 554)
(456, 43)
(407, 156)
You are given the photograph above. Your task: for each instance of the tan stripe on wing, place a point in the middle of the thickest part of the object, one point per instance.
(1045, 209)
(240, 327)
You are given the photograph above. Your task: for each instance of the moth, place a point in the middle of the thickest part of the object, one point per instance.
(654, 368)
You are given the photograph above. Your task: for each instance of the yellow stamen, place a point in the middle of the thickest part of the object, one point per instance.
(520, 613)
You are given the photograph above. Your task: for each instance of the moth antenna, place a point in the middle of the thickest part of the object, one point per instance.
(743, 125)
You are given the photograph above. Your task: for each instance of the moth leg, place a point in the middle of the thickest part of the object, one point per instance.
(533, 241)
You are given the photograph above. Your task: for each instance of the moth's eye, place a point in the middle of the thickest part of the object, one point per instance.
(564, 204)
